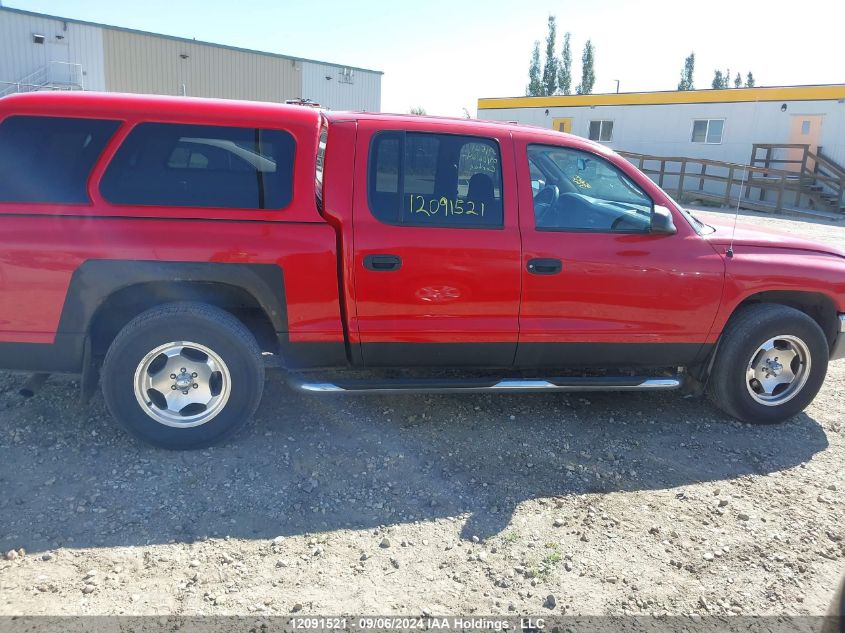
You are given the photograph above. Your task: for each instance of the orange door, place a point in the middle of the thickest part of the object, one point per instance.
(562, 125)
(804, 130)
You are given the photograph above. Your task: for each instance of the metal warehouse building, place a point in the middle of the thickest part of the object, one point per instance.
(796, 128)
(43, 52)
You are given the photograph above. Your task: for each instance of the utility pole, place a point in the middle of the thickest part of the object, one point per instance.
(617, 85)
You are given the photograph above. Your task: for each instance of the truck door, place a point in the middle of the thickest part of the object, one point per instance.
(600, 286)
(436, 245)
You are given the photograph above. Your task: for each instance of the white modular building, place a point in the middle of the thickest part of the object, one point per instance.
(707, 125)
(717, 124)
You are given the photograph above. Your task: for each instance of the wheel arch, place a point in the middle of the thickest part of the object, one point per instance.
(123, 305)
(818, 306)
(105, 295)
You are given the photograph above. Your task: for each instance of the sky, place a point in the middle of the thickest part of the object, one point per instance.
(443, 55)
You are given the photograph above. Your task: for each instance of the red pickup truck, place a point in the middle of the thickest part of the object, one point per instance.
(169, 248)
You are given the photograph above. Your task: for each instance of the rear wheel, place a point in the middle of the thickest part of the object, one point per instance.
(771, 363)
(183, 375)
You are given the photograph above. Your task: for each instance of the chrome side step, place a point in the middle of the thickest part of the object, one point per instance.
(476, 385)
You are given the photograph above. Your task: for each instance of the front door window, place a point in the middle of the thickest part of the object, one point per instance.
(579, 191)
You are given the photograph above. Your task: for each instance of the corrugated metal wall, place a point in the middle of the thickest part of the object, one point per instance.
(330, 86)
(121, 60)
(64, 41)
(137, 62)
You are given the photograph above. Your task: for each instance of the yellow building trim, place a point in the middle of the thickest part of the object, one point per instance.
(733, 95)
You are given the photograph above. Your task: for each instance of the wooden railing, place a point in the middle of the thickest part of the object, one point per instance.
(693, 173)
(815, 170)
(730, 183)
(829, 163)
(826, 166)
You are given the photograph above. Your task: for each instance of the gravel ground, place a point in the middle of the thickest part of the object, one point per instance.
(518, 504)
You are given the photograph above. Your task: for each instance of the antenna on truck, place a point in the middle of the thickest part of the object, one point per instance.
(730, 252)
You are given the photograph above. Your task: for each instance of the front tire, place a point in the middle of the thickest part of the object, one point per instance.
(183, 376)
(771, 363)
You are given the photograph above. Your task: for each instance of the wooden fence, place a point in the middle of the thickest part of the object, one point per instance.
(775, 188)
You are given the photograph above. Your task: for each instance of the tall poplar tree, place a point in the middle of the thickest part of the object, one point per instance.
(687, 73)
(550, 68)
(588, 73)
(535, 86)
(565, 74)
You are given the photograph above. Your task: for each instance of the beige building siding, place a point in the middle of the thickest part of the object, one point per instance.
(116, 59)
(136, 62)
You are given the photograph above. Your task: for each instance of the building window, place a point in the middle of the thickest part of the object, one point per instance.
(708, 131)
(176, 165)
(436, 180)
(805, 128)
(601, 131)
(346, 76)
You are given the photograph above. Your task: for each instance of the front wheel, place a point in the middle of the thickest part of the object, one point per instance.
(771, 363)
(183, 375)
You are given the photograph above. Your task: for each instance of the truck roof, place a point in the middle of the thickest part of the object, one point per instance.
(339, 115)
(109, 104)
(113, 103)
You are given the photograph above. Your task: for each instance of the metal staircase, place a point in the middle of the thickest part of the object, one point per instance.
(52, 76)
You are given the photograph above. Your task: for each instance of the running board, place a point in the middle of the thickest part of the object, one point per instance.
(481, 385)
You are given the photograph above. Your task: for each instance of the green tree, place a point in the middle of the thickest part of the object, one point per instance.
(535, 86)
(718, 80)
(687, 73)
(417, 110)
(738, 81)
(749, 80)
(565, 70)
(588, 73)
(550, 69)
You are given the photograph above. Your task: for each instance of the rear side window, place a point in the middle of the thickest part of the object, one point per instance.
(175, 165)
(49, 159)
(424, 179)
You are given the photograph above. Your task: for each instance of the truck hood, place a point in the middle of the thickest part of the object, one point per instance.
(756, 237)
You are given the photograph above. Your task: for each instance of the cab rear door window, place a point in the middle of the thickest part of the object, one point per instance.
(49, 159)
(177, 165)
(426, 179)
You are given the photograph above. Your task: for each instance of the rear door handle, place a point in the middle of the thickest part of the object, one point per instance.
(544, 266)
(382, 263)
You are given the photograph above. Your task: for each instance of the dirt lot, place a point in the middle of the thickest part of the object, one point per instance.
(610, 504)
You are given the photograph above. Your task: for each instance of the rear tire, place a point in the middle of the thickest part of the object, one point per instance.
(183, 376)
(770, 364)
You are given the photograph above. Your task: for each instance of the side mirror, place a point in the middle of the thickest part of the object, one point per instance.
(661, 221)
